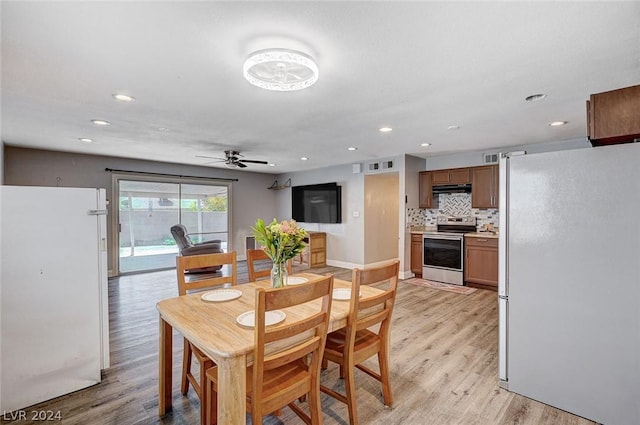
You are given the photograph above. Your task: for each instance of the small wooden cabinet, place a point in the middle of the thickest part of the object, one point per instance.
(426, 196)
(451, 176)
(481, 262)
(614, 116)
(484, 186)
(317, 247)
(416, 254)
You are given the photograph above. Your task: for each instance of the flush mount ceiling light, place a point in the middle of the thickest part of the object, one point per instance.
(453, 127)
(85, 140)
(304, 158)
(352, 148)
(100, 122)
(280, 70)
(557, 123)
(425, 144)
(385, 129)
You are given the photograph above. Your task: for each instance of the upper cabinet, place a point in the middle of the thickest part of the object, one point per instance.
(614, 116)
(425, 184)
(452, 176)
(484, 187)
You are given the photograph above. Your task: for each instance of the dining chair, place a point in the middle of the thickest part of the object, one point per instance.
(350, 346)
(257, 258)
(286, 358)
(190, 282)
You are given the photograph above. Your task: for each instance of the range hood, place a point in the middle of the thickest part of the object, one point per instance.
(452, 188)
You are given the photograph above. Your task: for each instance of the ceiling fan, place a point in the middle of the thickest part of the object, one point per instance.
(232, 159)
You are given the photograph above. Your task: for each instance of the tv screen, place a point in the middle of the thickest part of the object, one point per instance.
(318, 203)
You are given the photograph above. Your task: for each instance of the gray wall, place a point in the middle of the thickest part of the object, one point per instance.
(472, 159)
(344, 240)
(32, 167)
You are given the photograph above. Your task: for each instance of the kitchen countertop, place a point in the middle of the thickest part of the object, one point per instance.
(489, 235)
(424, 229)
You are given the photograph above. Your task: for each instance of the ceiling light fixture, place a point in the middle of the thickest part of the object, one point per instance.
(304, 158)
(385, 129)
(352, 148)
(85, 140)
(557, 123)
(100, 122)
(272, 164)
(453, 127)
(425, 144)
(123, 97)
(535, 97)
(280, 70)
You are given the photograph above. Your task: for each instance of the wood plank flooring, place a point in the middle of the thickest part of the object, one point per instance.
(444, 366)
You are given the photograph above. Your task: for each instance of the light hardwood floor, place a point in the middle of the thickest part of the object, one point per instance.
(444, 365)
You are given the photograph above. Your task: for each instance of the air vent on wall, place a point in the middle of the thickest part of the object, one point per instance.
(386, 165)
(490, 158)
(373, 167)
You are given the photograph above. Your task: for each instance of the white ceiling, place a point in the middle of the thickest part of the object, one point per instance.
(418, 67)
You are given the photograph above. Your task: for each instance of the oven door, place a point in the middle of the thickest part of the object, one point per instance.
(443, 251)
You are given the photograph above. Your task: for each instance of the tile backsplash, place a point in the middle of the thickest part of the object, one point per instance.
(454, 205)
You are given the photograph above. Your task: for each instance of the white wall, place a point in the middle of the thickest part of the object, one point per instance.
(32, 167)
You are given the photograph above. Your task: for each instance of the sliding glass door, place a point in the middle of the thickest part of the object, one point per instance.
(147, 209)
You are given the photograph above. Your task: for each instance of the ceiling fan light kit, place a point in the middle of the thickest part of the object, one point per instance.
(280, 70)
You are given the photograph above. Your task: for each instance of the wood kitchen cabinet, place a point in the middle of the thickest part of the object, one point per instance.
(426, 196)
(451, 176)
(481, 262)
(484, 186)
(416, 254)
(614, 116)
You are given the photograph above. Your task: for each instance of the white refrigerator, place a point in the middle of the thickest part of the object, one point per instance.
(569, 284)
(54, 327)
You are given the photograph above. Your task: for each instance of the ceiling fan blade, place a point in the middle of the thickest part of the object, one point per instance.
(253, 161)
(240, 164)
(211, 157)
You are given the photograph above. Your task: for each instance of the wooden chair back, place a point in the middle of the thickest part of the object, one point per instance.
(310, 332)
(382, 303)
(258, 255)
(205, 280)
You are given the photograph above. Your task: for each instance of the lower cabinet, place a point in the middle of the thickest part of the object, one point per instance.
(416, 254)
(481, 262)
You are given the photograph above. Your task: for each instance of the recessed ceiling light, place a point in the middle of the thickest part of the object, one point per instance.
(453, 127)
(304, 158)
(123, 97)
(535, 97)
(385, 129)
(100, 122)
(425, 144)
(271, 164)
(352, 148)
(85, 140)
(557, 123)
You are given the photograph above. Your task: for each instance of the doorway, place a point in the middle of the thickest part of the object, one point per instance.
(148, 207)
(381, 218)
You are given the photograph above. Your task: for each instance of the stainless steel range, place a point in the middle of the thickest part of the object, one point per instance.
(443, 256)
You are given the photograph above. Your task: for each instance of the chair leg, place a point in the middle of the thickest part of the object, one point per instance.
(383, 361)
(204, 393)
(186, 366)
(350, 387)
(211, 404)
(315, 409)
(325, 364)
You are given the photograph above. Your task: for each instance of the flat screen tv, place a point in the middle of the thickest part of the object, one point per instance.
(317, 203)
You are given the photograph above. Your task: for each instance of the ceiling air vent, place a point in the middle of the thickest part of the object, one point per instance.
(490, 158)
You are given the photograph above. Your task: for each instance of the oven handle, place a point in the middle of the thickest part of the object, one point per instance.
(445, 237)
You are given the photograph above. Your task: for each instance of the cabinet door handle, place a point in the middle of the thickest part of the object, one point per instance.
(483, 240)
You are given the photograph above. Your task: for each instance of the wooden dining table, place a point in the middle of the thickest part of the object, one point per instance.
(212, 327)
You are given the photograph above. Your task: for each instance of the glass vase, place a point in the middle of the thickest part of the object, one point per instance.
(279, 275)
